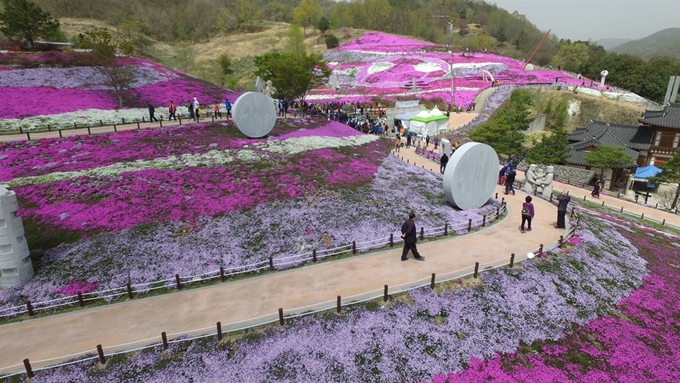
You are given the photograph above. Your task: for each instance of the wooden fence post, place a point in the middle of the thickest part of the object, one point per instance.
(339, 305)
(561, 242)
(271, 263)
(179, 283)
(621, 209)
(512, 260)
(484, 220)
(114, 128)
(81, 302)
(282, 321)
(642, 217)
(392, 240)
(129, 290)
(89, 132)
(432, 281)
(100, 352)
(29, 308)
(219, 330)
(29, 370)
(314, 259)
(540, 250)
(138, 127)
(60, 134)
(164, 337)
(222, 276)
(28, 136)
(476, 269)
(422, 233)
(385, 294)
(446, 228)
(470, 224)
(354, 247)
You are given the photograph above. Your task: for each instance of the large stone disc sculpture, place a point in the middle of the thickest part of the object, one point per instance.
(254, 114)
(471, 175)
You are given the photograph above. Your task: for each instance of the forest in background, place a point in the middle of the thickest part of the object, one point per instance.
(462, 24)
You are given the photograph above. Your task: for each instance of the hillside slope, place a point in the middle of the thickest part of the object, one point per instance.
(662, 43)
(60, 89)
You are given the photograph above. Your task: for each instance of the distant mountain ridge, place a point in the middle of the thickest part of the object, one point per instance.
(608, 44)
(662, 43)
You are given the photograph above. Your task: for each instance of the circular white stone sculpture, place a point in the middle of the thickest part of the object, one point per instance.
(254, 114)
(16, 267)
(471, 175)
(445, 147)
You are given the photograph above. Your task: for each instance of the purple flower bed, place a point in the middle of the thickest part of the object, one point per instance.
(383, 42)
(434, 333)
(149, 224)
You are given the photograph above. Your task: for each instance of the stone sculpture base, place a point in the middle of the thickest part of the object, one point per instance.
(254, 114)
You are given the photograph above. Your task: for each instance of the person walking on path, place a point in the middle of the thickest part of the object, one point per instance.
(527, 214)
(217, 110)
(191, 110)
(427, 141)
(562, 202)
(596, 189)
(152, 111)
(172, 109)
(442, 163)
(408, 141)
(196, 108)
(510, 180)
(227, 105)
(408, 232)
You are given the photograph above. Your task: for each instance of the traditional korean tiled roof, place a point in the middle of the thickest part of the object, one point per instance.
(669, 117)
(632, 138)
(616, 135)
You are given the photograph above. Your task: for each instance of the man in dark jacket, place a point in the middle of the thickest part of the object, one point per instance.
(563, 200)
(510, 180)
(152, 111)
(442, 163)
(408, 232)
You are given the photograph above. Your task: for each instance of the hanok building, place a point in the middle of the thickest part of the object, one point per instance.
(636, 141)
(665, 128)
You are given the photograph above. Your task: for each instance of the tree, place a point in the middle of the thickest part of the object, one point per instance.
(332, 41)
(185, 56)
(571, 56)
(120, 78)
(307, 14)
(23, 18)
(248, 11)
(552, 149)
(377, 14)
(670, 173)
(482, 41)
(296, 41)
(505, 130)
(323, 25)
(292, 75)
(608, 157)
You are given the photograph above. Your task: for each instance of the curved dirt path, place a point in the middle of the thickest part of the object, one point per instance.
(256, 300)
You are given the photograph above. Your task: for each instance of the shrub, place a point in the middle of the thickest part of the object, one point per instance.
(332, 41)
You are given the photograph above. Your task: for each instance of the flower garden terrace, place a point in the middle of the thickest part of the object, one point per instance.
(60, 89)
(145, 206)
(379, 65)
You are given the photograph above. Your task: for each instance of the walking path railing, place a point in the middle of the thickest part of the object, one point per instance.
(178, 282)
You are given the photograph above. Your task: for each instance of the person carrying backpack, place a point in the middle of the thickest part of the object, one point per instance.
(172, 109)
(527, 214)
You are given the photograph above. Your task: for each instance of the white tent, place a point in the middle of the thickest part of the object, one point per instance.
(429, 123)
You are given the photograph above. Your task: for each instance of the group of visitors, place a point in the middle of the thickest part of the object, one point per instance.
(506, 176)
(194, 109)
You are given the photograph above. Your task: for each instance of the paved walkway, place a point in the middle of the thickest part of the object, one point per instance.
(576, 192)
(256, 300)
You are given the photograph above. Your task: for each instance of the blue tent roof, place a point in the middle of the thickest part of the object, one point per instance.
(646, 172)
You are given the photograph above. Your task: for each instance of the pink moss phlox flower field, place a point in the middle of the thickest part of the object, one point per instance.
(384, 65)
(54, 90)
(146, 205)
(591, 315)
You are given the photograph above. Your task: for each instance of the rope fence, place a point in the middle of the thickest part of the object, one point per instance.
(272, 264)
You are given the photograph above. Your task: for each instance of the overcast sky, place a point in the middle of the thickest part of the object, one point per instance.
(597, 19)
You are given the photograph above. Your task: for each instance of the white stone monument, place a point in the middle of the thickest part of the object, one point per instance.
(254, 114)
(16, 267)
(259, 84)
(445, 147)
(470, 176)
(604, 74)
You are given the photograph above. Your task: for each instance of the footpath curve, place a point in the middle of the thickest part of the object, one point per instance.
(256, 300)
